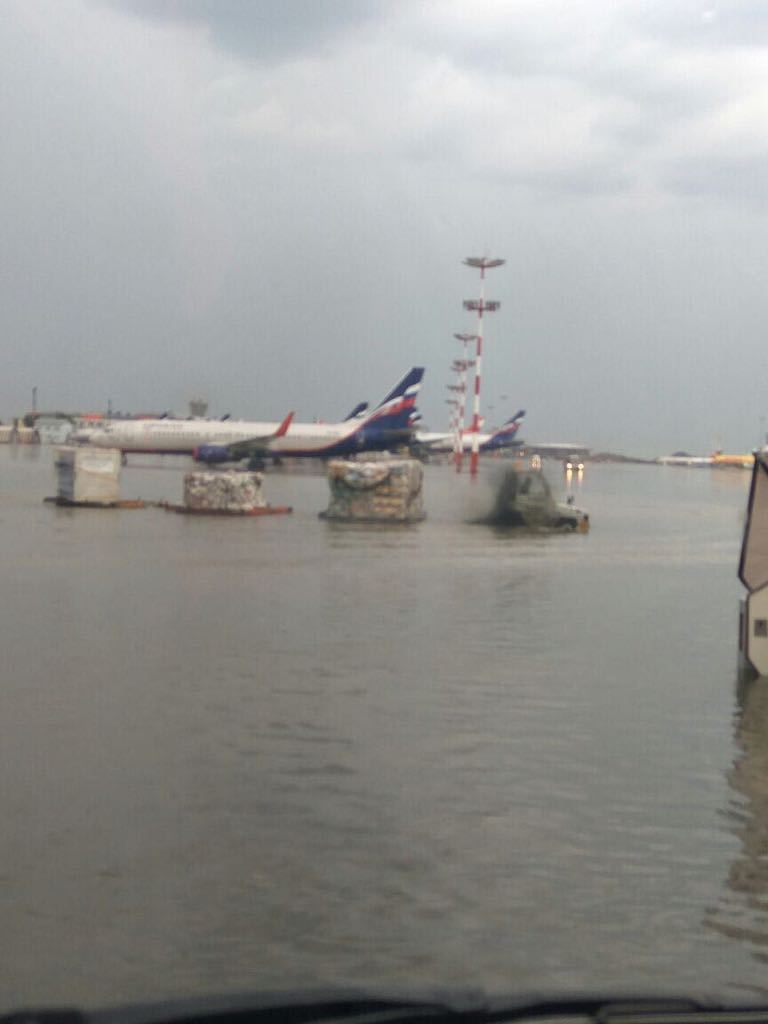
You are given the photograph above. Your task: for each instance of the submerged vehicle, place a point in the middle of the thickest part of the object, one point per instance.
(524, 499)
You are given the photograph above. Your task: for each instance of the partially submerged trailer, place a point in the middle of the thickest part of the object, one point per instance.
(753, 573)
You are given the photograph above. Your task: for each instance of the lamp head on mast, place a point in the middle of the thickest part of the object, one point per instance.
(483, 263)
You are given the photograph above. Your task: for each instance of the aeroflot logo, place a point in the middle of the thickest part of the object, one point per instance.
(397, 407)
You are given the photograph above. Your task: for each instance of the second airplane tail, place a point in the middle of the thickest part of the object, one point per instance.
(506, 435)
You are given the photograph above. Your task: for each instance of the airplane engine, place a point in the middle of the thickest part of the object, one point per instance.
(210, 453)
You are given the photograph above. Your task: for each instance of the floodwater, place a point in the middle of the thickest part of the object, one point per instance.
(248, 754)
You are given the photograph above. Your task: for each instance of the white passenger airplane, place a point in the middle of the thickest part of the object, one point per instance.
(504, 437)
(387, 426)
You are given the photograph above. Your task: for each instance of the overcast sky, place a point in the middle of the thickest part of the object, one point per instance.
(267, 202)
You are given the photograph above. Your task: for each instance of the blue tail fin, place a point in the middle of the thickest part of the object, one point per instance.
(394, 412)
(357, 412)
(505, 436)
(391, 424)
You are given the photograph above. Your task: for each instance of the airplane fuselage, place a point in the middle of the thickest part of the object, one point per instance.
(434, 442)
(445, 442)
(387, 426)
(185, 437)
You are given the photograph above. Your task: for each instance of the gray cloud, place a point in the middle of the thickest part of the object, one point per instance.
(272, 210)
(706, 24)
(744, 178)
(263, 30)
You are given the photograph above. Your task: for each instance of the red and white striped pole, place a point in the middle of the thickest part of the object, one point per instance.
(460, 368)
(462, 365)
(458, 403)
(454, 404)
(481, 306)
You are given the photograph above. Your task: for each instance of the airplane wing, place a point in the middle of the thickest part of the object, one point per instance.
(258, 445)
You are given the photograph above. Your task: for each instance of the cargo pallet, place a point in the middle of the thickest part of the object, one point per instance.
(266, 510)
(68, 503)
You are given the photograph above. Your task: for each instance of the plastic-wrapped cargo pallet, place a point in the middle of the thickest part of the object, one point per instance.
(224, 491)
(376, 491)
(88, 476)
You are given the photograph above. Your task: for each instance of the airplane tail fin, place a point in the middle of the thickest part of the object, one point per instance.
(357, 412)
(517, 418)
(505, 435)
(395, 410)
(282, 430)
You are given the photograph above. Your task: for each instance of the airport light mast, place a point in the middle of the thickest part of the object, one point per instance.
(454, 404)
(460, 388)
(461, 366)
(480, 306)
(458, 391)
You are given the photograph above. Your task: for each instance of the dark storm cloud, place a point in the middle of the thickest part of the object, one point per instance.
(262, 30)
(268, 204)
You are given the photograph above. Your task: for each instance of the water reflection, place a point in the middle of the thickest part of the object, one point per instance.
(743, 913)
(27, 452)
(574, 479)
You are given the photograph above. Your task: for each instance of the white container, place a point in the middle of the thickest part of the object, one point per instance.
(11, 434)
(88, 476)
